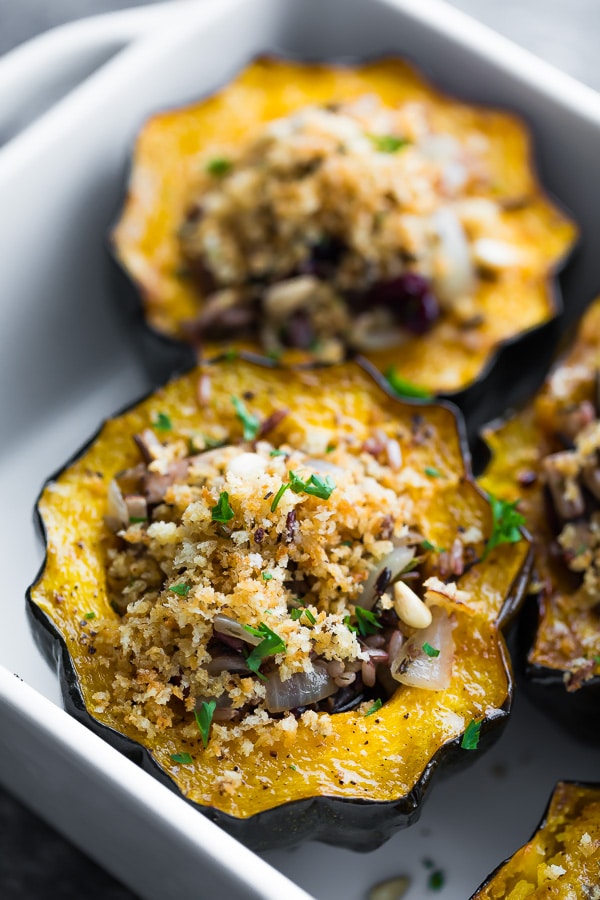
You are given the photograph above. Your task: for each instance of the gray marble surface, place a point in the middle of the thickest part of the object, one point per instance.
(34, 861)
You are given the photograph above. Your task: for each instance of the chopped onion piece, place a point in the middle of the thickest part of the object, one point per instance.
(455, 276)
(396, 562)
(225, 625)
(414, 667)
(117, 513)
(300, 689)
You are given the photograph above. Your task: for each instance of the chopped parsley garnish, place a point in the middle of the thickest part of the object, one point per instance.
(470, 739)
(299, 611)
(506, 524)
(204, 719)
(250, 423)
(346, 543)
(329, 448)
(316, 485)
(270, 645)
(374, 708)
(135, 520)
(277, 453)
(222, 512)
(163, 422)
(89, 615)
(436, 880)
(349, 625)
(366, 621)
(219, 166)
(267, 576)
(388, 143)
(183, 758)
(292, 766)
(181, 589)
(427, 545)
(432, 472)
(405, 388)
(430, 651)
(279, 495)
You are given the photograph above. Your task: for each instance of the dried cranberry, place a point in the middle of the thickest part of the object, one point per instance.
(410, 299)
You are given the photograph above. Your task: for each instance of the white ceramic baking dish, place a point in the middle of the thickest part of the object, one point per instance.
(70, 105)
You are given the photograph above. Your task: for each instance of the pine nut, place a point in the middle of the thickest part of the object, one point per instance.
(409, 607)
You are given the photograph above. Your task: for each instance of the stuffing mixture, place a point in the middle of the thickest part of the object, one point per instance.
(571, 478)
(345, 226)
(258, 582)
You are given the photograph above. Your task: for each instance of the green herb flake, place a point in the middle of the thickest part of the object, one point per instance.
(184, 758)
(405, 388)
(366, 620)
(277, 453)
(348, 623)
(432, 472)
(430, 651)
(292, 766)
(136, 520)
(162, 422)
(279, 495)
(204, 719)
(270, 645)
(89, 615)
(222, 512)
(470, 739)
(329, 448)
(299, 611)
(267, 576)
(347, 543)
(181, 589)
(374, 708)
(427, 545)
(316, 486)
(388, 143)
(250, 423)
(219, 166)
(436, 880)
(597, 660)
(506, 524)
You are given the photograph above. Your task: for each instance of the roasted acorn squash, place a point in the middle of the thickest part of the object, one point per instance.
(562, 859)
(366, 774)
(531, 460)
(449, 355)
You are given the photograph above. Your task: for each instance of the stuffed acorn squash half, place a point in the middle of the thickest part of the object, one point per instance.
(281, 591)
(562, 859)
(548, 457)
(320, 211)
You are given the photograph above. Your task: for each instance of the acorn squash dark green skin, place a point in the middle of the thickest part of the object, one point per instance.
(356, 824)
(585, 785)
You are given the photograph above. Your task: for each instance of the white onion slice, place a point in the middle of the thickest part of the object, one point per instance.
(433, 673)
(117, 512)
(396, 562)
(225, 625)
(300, 689)
(455, 276)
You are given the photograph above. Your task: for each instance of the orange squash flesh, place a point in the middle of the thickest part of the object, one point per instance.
(562, 859)
(566, 634)
(166, 162)
(377, 758)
